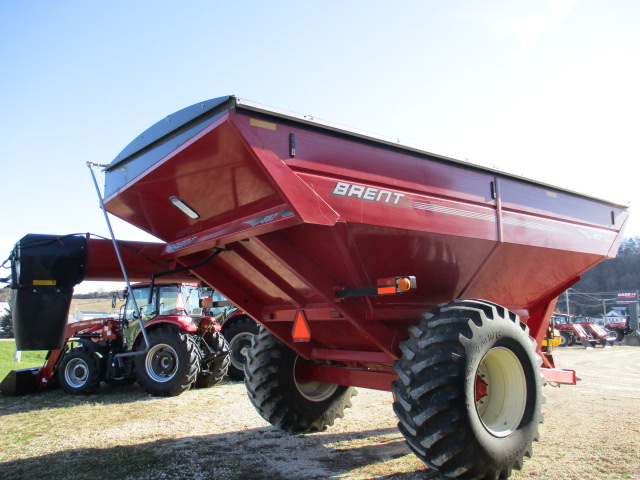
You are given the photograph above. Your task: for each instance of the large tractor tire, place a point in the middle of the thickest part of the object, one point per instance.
(614, 334)
(213, 371)
(170, 366)
(566, 339)
(239, 335)
(282, 400)
(468, 393)
(80, 371)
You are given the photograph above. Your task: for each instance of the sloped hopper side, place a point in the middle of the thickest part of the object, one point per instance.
(45, 269)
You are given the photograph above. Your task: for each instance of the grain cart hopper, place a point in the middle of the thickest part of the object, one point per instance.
(370, 263)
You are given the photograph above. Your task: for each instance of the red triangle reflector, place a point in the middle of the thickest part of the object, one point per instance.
(301, 331)
(180, 303)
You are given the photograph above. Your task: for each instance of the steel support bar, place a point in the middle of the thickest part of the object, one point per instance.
(352, 356)
(375, 380)
(318, 280)
(557, 375)
(296, 299)
(212, 275)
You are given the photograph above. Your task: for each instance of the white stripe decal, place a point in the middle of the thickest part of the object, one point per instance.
(452, 211)
(588, 232)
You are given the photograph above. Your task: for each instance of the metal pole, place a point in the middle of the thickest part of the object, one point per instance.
(124, 271)
(567, 300)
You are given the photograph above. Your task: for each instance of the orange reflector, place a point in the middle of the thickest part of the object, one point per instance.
(394, 285)
(180, 303)
(386, 290)
(206, 302)
(301, 331)
(386, 286)
(404, 284)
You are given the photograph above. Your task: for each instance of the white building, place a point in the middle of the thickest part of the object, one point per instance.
(86, 315)
(615, 316)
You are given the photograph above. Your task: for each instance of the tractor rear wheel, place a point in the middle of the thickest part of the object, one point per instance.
(80, 372)
(614, 334)
(280, 398)
(239, 335)
(468, 393)
(213, 371)
(170, 366)
(565, 339)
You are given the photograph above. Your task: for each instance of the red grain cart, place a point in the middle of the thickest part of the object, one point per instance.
(370, 263)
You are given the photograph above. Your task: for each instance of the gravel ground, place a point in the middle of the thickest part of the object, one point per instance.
(591, 431)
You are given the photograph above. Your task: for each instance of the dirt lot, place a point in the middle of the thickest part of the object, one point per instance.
(591, 431)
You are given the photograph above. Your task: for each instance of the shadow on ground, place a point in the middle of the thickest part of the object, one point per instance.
(55, 397)
(252, 454)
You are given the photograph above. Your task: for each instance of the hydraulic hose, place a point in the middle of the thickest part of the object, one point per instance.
(124, 270)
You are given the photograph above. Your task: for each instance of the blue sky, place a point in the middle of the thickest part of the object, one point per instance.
(547, 89)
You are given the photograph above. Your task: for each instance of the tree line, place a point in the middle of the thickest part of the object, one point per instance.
(597, 289)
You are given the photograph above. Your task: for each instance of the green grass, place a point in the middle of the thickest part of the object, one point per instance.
(29, 359)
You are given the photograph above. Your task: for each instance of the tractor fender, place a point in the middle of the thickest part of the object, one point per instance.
(233, 318)
(91, 346)
(94, 348)
(182, 323)
(208, 325)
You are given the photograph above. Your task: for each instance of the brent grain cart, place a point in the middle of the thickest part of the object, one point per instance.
(370, 263)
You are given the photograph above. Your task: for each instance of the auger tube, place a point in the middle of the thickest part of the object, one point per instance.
(143, 330)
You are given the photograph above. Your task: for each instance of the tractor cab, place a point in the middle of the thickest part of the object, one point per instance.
(165, 300)
(560, 319)
(174, 303)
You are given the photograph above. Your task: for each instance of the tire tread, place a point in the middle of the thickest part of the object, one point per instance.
(429, 390)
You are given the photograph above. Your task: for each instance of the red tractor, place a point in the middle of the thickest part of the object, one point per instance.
(583, 330)
(618, 329)
(185, 348)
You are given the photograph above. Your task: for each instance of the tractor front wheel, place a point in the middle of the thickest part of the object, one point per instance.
(272, 381)
(614, 335)
(80, 372)
(565, 339)
(171, 364)
(239, 335)
(214, 370)
(468, 393)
